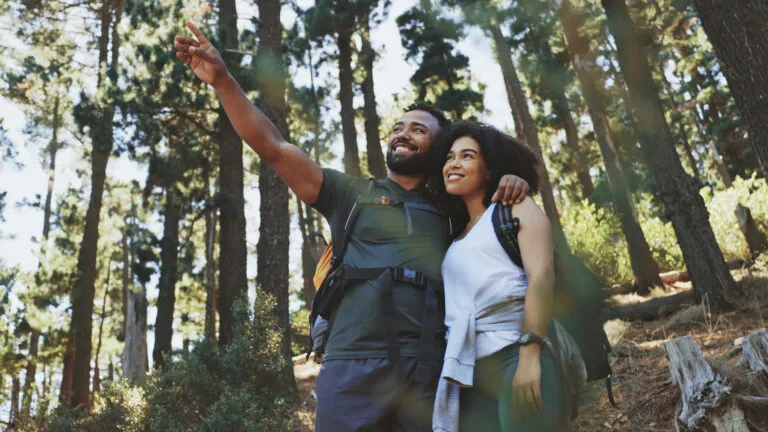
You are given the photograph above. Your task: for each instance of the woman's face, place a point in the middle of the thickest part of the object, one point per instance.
(465, 171)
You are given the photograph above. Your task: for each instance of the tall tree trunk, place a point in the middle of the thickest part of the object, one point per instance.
(233, 252)
(376, 165)
(272, 248)
(169, 257)
(67, 371)
(211, 212)
(42, 400)
(736, 31)
(82, 296)
(15, 393)
(96, 371)
(308, 247)
(679, 192)
(346, 96)
(135, 362)
(519, 105)
(504, 57)
(714, 118)
(581, 165)
(34, 337)
(644, 267)
(687, 150)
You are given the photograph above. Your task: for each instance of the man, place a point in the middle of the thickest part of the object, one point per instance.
(381, 359)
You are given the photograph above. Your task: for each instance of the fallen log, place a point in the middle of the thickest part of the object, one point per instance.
(650, 309)
(754, 355)
(674, 276)
(705, 394)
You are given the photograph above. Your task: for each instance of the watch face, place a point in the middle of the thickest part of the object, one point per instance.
(525, 338)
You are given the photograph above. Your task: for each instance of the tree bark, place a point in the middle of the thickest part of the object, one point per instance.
(737, 33)
(581, 165)
(756, 241)
(233, 280)
(34, 337)
(346, 96)
(308, 246)
(687, 150)
(210, 260)
(702, 390)
(15, 393)
(82, 295)
(169, 256)
(272, 248)
(135, 362)
(67, 371)
(43, 403)
(683, 204)
(376, 164)
(519, 104)
(644, 267)
(96, 371)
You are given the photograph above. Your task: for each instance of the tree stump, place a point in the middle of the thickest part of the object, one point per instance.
(754, 355)
(705, 393)
(756, 240)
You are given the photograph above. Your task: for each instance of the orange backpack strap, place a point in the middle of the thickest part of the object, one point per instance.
(323, 266)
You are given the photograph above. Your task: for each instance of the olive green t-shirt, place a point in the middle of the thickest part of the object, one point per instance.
(382, 236)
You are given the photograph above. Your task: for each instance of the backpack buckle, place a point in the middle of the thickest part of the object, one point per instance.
(401, 274)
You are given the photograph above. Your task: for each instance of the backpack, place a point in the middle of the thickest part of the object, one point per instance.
(577, 328)
(332, 277)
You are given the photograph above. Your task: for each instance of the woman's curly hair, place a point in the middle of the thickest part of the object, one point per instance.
(502, 154)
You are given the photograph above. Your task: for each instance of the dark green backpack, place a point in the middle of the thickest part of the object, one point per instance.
(578, 299)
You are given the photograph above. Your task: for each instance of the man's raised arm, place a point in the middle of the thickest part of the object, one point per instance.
(300, 172)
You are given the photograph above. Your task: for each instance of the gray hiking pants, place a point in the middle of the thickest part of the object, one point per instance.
(372, 395)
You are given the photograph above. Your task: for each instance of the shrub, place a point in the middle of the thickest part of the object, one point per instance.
(241, 387)
(299, 331)
(595, 235)
(753, 193)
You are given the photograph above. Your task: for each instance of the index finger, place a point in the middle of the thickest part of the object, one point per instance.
(196, 31)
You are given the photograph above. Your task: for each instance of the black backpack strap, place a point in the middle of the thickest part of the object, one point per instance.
(430, 355)
(339, 249)
(506, 227)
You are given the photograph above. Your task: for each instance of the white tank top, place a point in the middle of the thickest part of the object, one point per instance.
(477, 274)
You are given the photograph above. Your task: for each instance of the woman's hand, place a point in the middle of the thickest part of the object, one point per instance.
(526, 386)
(202, 57)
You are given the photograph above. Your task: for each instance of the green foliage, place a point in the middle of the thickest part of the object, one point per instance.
(441, 78)
(595, 235)
(752, 193)
(299, 330)
(237, 388)
(119, 407)
(595, 232)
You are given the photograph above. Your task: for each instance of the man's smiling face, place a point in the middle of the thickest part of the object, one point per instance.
(409, 148)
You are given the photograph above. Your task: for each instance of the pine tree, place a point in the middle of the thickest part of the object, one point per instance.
(679, 193)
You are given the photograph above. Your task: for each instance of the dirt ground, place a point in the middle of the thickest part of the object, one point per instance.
(646, 398)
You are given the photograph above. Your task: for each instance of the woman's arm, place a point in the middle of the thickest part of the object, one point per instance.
(536, 249)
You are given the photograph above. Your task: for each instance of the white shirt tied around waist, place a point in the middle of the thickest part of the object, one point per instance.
(484, 305)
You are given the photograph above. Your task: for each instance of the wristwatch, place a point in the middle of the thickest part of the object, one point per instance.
(528, 338)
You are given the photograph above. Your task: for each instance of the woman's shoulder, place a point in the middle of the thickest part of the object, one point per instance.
(528, 211)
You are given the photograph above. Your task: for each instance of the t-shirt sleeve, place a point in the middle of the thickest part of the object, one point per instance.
(336, 196)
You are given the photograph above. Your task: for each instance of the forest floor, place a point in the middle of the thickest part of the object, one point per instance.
(646, 398)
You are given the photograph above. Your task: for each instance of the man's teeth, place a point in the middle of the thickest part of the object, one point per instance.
(400, 148)
(455, 176)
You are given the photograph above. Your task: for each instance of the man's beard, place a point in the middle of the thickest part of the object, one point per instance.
(415, 163)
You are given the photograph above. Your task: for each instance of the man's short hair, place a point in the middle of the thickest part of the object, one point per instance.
(442, 120)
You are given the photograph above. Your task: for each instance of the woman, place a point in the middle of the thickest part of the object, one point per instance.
(498, 375)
